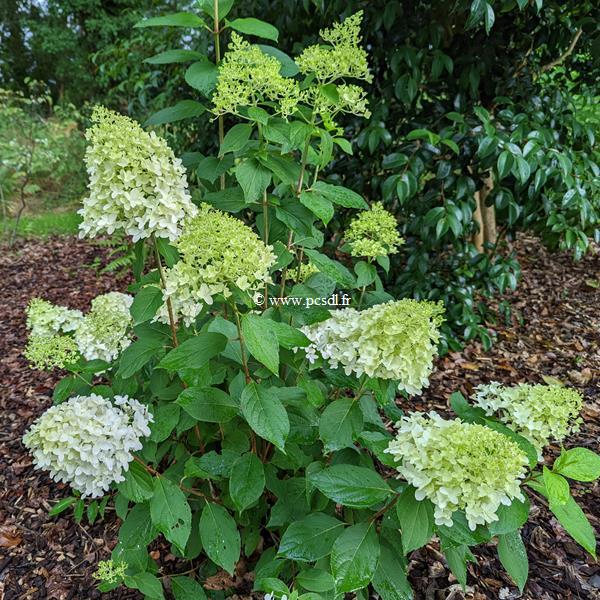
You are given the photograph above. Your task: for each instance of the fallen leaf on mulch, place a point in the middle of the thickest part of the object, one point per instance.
(9, 537)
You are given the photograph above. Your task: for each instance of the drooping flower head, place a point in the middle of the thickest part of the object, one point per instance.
(249, 77)
(218, 253)
(136, 184)
(540, 413)
(342, 57)
(47, 352)
(458, 466)
(47, 319)
(396, 340)
(88, 441)
(104, 331)
(374, 233)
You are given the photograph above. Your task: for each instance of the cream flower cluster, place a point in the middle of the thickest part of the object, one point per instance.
(136, 184)
(458, 466)
(395, 340)
(59, 335)
(540, 413)
(374, 233)
(249, 77)
(47, 319)
(47, 352)
(103, 333)
(88, 441)
(218, 253)
(343, 57)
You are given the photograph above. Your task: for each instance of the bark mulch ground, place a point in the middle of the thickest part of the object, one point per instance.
(555, 332)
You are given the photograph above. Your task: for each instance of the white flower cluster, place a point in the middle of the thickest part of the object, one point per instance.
(540, 413)
(45, 319)
(395, 340)
(458, 466)
(58, 334)
(218, 253)
(88, 441)
(103, 333)
(136, 183)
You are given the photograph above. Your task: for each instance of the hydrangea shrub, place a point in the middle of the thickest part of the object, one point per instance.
(230, 406)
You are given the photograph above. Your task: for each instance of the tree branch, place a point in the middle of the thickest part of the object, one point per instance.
(565, 54)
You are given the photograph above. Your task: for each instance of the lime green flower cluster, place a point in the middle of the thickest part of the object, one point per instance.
(218, 253)
(249, 77)
(374, 233)
(396, 340)
(306, 270)
(47, 319)
(458, 466)
(104, 332)
(47, 352)
(136, 183)
(110, 572)
(344, 57)
(540, 413)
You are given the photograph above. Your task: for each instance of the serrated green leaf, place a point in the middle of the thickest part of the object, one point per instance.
(513, 557)
(220, 537)
(416, 520)
(252, 26)
(208, 404)
(247, 481)
(195, 352)
(170, 512)
(311, 538)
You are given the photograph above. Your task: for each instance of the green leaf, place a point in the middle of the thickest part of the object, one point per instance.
(251, 26)
(174, 56)
(557, 487)
(416, 520)
(390, 580)
(195, 352)
(236, 138)
(185, 109)
(505, 163)
(488, 17)
(147, 583)
(61, 506)
(138, 485)
(166, 417)
(265, 414)
(202, 76)
(315, 580)
(289, 337)
(145, 304)
(311, 538)
(580, 464)
(134, 357)
(247, 481)
(220, 537)
(333, 268)
(170, 512)
(180, 19)
(340, 424)
(513, 557)
(366, 272)
(207, 404)
(261, 341)
(457, 558)
(253, 178)
(224, 7)
(186, 588)
(510, 518)
(354, 557)
(523, 169)
(572, 518)
(355, 487)
(318, 205)
(340, 195)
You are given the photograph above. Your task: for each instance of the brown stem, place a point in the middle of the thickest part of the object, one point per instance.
(385, 508)
(241, 338)
(164, 285)
(216, 32)
(565, 54)
(266, 238)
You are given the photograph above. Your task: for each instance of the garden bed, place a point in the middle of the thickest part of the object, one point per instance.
(553, 334)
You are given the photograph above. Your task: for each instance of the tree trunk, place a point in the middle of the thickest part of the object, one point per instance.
(488, 213)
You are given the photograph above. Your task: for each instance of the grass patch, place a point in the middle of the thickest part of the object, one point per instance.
(44, 224)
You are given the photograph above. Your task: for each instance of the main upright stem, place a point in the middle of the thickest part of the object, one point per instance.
(164, 285)
(216, 32)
